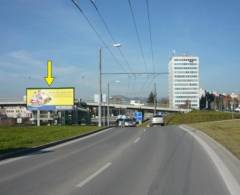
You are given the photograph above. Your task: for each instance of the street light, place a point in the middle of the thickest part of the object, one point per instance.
(100, 85)
(117, 45)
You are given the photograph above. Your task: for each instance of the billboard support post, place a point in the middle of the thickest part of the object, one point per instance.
(38, 117)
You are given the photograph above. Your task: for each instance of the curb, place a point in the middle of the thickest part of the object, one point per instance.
(21, 152)
(223, 168)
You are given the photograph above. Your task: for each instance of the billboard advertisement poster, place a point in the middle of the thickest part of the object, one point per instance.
(49, 98)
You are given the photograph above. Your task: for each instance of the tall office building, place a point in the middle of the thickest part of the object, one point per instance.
(184, 82)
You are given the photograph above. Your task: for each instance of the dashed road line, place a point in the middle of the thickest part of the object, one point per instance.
(137, 140)
(91, 177)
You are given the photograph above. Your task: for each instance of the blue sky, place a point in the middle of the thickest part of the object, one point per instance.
(34, 31)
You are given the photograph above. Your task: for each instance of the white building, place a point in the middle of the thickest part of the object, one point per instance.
(17, 112)
(184, 81)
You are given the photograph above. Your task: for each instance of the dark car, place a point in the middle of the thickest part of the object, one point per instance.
(130, 123)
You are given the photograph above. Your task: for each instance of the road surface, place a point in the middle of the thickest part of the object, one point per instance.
(119, 161)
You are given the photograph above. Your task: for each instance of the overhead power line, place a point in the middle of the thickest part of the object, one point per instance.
(97, 33)
(138, 36)
(150, 33)
(110, 33)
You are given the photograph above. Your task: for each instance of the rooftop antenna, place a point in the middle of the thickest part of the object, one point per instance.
(173, 52)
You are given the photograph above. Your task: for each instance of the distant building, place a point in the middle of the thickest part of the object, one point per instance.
(136, 103)
(17, 112)
(184, 82)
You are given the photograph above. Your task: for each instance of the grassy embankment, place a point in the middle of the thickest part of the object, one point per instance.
(144, 124)
(225, 132)
(12, 138)
(198, 116)
(217, 125)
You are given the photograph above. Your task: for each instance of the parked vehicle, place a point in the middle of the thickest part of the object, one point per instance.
(157, 120)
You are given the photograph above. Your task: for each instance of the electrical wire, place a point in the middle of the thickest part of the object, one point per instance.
(150, 84)
(150, 33)
(97, 33)
(137, 33)
(110, 33)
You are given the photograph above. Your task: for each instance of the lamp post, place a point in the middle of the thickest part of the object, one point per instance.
(232, 108)
(100, 89)
(108, 113)
(155, 99)
(100, 86)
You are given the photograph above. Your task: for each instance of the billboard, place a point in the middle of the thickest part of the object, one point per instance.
(49, 98)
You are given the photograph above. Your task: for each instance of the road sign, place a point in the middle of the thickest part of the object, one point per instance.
(138, 116)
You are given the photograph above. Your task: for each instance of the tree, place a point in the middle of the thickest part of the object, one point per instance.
(210, 97)
(202, 102)
(151, 97)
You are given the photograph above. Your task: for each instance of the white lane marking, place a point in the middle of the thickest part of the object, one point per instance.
(3, 162)
(144, 130)
(137, 140)
(228, 178)
(91, 177)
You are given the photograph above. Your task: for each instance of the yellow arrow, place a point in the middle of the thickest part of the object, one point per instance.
(49, 78)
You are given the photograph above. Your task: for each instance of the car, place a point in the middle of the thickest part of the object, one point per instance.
(126, 122)
(237, 109)
(157, 120)
(120, 122)
(130, 123)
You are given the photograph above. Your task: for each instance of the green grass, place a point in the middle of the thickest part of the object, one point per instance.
(12, 138)
(225, 132)
(144, 124)
(197, 116)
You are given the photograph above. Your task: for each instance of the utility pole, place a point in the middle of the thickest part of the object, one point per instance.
(100, 89)
(155, 98)
(108, 113)
(232, 109)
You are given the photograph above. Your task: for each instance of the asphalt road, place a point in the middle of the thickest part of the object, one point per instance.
(120, 161)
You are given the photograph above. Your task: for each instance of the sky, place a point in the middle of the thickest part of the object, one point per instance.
(33, 32)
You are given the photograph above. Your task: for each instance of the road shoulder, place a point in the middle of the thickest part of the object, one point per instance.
(227, 164)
